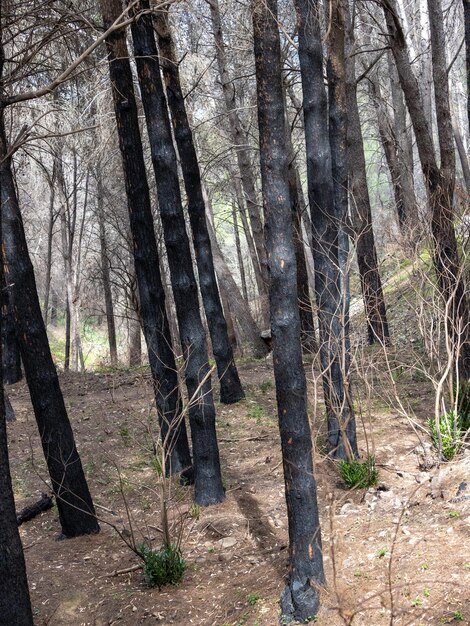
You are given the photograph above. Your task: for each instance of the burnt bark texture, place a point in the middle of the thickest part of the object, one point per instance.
(242, 148)
(439, 178)
(300, 598)
(74, 503)
(361, 212)
(15, 605)
(207, 476)
(11, 359)
(230, 386)
(146, 259)
(327, 225)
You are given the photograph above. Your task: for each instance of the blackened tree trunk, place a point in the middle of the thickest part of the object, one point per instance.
(15, 605)
(11, 359)
(466, 11)
(76, 511)
(207, 476)
(106, 275)
(230, 386)
(326, 229)
(440, 180)
(361, 212)
(240, 141)
(146, 260)
(300, 598)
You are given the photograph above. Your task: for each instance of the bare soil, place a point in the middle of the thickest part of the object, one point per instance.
(402, 547)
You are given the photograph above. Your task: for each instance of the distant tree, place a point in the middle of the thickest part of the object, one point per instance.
(300, 598)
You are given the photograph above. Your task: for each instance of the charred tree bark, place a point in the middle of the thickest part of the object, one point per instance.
(146, 260)
(230, 386)
(76, 511)
(361, 213)
(11, 359)
(440, 180)
(242, 150)
(300, 598)
(326, 229)
(207, 476)
(15, 605)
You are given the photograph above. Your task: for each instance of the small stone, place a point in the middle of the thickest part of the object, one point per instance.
(227, 542)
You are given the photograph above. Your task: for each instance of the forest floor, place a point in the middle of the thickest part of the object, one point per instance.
(403, 545)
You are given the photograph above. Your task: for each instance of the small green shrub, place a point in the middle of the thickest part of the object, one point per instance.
(359, 474)
(451, 432)
(257, 412)
(253, 598)
(163, 567)
(265, 386)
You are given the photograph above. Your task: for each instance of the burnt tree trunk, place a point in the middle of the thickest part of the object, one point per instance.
(241, 266)
(15, 605)
(76, 511)
(11, 359)
(146, 260)
(207, 476)
(230, 386)
(327, 225)
(361, 212)
(300, 598)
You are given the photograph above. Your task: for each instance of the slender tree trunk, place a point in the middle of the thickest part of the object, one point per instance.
(106, 277)
(50, 238)
(54, 306)
(466, 10)
(251, 336)
(11, 359)
(463, 158)
(146, 259)
(242, 150)
(207, 476)
(300, 598)
(15, 605)
(404, 151)
(440, 181)
(230, 386)
(76, 511)
(327, 226)
(241, 267)
(361, 213)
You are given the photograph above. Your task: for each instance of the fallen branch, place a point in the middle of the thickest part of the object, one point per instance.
(31, 511)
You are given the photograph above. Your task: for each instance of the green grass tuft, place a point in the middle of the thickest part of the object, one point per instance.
(359, 474)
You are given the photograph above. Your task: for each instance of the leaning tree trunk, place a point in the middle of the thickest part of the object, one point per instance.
(439, 181)
(230, 386)
(300, 598)
(239, 139)
(249, 331)
(146, 260)
(327, 225)
(241, 266)
(76, 511)
(361, 212)
(207, 476)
